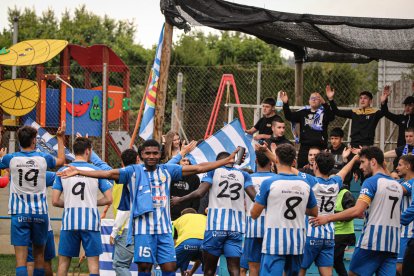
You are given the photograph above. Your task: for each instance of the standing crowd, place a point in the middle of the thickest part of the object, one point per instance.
(294, 210)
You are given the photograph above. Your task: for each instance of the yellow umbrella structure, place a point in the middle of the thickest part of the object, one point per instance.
(19, 96)
(32, 52)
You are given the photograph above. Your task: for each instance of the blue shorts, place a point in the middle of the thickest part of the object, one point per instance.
(188, 250)
(50, 251)
(369, 262)
(243, 260)
(27, 229)
(218, 242)
(70, 241)
(320, 251)
(154, 249)
(276, 264)
(253, 249)
(403, 247)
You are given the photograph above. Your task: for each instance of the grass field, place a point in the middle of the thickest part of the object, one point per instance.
(8, 264)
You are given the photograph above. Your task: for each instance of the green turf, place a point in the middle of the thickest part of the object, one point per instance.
(8, 264)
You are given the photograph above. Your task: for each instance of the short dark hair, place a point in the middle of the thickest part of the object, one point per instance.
(150, 143)
(366, 93)
(188, 211)
(222, 155)
(337, 132)
(129, 157)
(286, 154)
(410, 160)
(373, 152)
(325, 162)
(277, 119)
(410, 129)
(262, 159)
(81, 144)
(271, 101)
(25, 135)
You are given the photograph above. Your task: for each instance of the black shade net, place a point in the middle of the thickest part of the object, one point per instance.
(310, 37)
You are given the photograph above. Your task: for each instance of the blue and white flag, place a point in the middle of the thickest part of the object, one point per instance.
(146, 128)
(226, 139)
(46, 142)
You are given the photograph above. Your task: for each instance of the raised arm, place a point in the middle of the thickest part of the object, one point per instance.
(183, 152)
(289, 115)
(348, 167)
(60, 136)
(330, 93)
(199, 193)
(390, 154)
(208, 166)
(71, 171)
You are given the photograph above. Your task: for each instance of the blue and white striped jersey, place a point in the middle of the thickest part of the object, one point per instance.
(286, 198)
(381, 231)
(255, 227)
(158, 221)
(407, 230)
(326, 191)
(28, 181)
(226, 209)
(80, 196)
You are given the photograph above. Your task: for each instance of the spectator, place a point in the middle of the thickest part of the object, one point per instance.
(404, 120)
(407, 149)
(344, 230)
(278, 133)
(172, 145)
(183, 187)
(308, 168)
(313, 121)
(364, 118)
(264, 125)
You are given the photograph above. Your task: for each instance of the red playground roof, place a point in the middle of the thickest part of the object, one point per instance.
(92, 58)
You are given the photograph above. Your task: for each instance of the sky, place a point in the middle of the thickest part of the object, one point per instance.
(148, 18)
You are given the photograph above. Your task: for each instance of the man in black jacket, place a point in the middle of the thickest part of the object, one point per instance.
(313, 121)
(278, 135)
(364, 118)
(404, 120)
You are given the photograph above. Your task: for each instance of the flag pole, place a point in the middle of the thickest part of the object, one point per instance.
(163, 82)
(141, 108)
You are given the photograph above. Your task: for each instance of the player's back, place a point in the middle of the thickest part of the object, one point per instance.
(28, 181)
(407, 230)
(381, 230)
(255, 227)
(226, 209)
(80, 195)
(326, 192)
(286, 202)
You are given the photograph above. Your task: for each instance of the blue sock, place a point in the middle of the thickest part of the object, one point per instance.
(21, 271)
(38, 272)
(168, 273)
(144, 273)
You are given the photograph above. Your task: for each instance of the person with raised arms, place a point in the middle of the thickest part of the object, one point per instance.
(150, 220)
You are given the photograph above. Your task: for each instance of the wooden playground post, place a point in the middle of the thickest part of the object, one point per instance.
(163, 81)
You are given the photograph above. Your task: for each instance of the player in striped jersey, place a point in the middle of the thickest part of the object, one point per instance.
(27, 201)
(320, 242)
(226, 214)
(149, 196)
(80, 219)
(255, 227)
(287, 197)
(405, 170)
(380, 197)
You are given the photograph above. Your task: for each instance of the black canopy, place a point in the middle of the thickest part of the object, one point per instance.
(310, 37)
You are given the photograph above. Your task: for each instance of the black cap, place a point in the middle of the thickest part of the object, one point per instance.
(409, 100)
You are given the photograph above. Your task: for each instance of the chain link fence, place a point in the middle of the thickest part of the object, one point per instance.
(191, 96)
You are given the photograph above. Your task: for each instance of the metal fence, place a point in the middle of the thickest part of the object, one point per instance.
(192, 92)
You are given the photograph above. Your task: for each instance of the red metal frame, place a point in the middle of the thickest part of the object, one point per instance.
(226, 78)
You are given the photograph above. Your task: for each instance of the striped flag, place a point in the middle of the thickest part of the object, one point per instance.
(146, 129)
(226, 139)
(46, 142)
